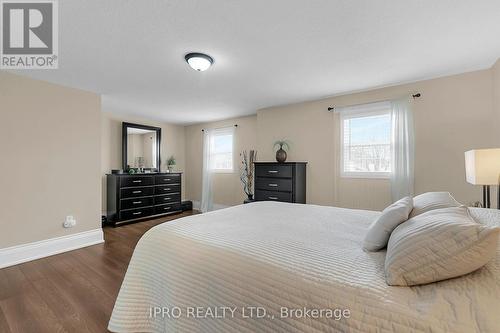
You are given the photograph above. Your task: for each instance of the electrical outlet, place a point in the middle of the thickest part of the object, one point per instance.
(69, 222)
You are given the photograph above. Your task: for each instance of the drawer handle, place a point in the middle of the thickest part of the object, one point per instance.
(166, 179)
(166, 208)
(137, 202)
(273, 198)
(165, 199)
(166, 189)
(135, 192)
(137, 213)
(273, 171)
(273, 185)
(137, 181)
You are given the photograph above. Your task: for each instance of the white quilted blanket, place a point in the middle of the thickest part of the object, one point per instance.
(267, 264)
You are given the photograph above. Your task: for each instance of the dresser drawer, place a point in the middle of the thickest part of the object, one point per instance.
(169, 198)
(162, 209)
(273, 196)
(274, 170)
(136, 181)
(167, 189)
(136, 213)
(137, 192)
(273, 184)
(168, 179)
(136, 202)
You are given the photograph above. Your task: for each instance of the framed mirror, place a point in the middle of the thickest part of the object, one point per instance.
(141, 147)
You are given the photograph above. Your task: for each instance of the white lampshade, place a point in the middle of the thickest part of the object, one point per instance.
(482, 166)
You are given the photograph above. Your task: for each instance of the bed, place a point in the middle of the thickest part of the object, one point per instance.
(270, 263)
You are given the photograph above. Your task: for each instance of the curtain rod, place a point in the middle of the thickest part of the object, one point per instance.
(235, 125)
(415, 96)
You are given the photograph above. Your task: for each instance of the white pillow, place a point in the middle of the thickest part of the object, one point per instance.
(432, 200)
(380, 230)
(438, 245)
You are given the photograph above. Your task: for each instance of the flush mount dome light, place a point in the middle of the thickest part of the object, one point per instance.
(199, 61)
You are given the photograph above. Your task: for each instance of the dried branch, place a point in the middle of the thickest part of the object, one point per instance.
(247, 170)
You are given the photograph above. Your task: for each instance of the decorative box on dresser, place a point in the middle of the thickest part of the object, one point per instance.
(135, 197)
(280, 181)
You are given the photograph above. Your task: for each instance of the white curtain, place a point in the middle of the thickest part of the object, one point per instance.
(403, 149)
(206, 192)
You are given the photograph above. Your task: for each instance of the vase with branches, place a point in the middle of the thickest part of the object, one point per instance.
(247, 171)
(283, 145)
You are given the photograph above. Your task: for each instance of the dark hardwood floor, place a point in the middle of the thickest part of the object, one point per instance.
(73, 291)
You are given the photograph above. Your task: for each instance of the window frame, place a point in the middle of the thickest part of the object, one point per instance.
(221, 132)
(361, 112)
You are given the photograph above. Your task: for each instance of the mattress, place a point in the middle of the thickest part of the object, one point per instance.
(279, 267)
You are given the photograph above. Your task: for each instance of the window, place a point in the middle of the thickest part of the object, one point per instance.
(366, 141)
(221, 150)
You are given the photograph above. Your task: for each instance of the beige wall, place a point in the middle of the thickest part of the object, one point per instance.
(496, 107)
(496, 90)
(309, 128)
(226, 186)
(172, 143)
(50, 155)
(453, 115)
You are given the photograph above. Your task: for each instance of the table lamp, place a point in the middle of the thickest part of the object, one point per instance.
(482, 167)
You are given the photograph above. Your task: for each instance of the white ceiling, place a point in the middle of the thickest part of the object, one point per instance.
(266, 52)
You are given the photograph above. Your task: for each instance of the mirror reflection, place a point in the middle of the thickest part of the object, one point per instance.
(141, 148)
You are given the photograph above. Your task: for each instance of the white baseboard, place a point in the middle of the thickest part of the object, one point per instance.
(26, 252)
(197, 205)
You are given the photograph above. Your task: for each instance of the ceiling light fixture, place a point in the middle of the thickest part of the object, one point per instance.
(199, 61)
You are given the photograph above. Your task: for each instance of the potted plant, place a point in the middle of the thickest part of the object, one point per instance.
(171, 163)
(281, 155)
(246, 171)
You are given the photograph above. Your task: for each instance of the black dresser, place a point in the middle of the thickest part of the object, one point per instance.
(280, 181)
(136, 197)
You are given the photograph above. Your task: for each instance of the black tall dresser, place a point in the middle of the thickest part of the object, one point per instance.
(135, 197)
(280, 181)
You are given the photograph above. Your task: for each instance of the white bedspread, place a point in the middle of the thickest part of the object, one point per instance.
(277, 255)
